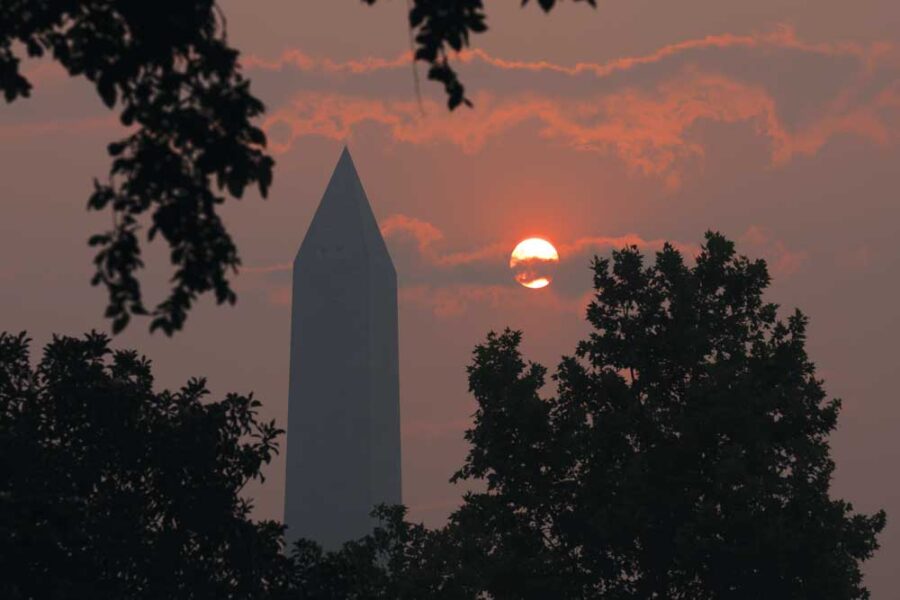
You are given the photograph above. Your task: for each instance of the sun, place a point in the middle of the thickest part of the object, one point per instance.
(533, 260)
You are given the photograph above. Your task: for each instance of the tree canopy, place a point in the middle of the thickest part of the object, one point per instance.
(169, 71)
(684, 455)
(111, 490)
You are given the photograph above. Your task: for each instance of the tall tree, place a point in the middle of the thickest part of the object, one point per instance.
(109, 489)
(169, 71)
(685, 454)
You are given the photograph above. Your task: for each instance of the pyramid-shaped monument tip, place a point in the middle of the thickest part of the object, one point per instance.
(344, 223)
(346, 161)
(345, 184)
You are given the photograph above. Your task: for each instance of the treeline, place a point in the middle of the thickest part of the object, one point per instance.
(684, 454)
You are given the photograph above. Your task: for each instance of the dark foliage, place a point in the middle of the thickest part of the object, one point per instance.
(397, 561)
(168, 70)
(111, 490)
(684, 456)
(442, 25)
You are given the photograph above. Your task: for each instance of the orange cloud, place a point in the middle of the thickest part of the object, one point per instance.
(301, 61)
(451, 295)
(335, 116)
(427, 236)
(454, 301)
(449, 284)
(649, 131)
(59, 126)
(589, 245)
(780, 37)
(276, 268)
(781, 260)
(423, 232)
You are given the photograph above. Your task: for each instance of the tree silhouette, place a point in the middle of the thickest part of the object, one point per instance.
(111, 490)
(397, 561)
(169, 71)
(685, 454)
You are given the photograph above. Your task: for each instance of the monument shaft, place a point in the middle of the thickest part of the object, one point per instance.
(343, 439)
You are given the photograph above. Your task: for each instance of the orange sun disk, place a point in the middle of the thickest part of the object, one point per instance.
(533, 260)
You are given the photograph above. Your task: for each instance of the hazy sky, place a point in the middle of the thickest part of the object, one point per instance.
(776, 122)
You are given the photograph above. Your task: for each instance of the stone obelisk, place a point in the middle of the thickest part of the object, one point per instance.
(343, 435)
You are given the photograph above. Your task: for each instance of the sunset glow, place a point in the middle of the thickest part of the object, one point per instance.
(592, 130)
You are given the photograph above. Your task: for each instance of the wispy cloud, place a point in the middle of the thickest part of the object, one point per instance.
(650, 131)
(450, 283)
(294, 58)
(650, 127)
(427, 238)
(648, 122)
(588, 246)
(782, 37)
(760, 242)
(75, 126)
(276, 268)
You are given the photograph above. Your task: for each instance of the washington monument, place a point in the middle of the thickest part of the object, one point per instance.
(343, 437)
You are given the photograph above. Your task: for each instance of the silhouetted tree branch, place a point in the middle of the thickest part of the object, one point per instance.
(168, 70)
(443, 25)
